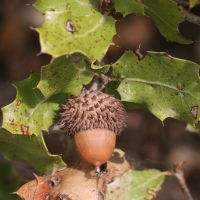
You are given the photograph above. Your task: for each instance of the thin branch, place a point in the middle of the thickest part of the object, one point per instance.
(179, 174)
(192, 17)
(99, 82)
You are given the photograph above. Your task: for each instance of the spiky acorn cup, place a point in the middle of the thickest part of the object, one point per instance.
(93, 119)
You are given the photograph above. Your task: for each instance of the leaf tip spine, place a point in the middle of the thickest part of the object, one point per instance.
(39, 53)
(32, 28)
(13, 193)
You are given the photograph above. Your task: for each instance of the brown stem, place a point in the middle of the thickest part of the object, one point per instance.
(179, 174)
(99, 82)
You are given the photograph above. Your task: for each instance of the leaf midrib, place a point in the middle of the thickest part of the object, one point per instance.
(153, 83)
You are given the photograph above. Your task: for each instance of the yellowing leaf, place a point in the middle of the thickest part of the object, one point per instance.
(63, 33)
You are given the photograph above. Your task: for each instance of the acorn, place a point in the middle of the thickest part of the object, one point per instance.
(93, 119)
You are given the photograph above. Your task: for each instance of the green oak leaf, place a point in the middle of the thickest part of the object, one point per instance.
(31, 112)
(22, 147)
(77, 7)
(136, 185)
(9, 182)
(166, 86)
(111, 88)
(92, 37)
(50, 5)
(83, 7)
(166, 14)
(66, 75)
(193, 3)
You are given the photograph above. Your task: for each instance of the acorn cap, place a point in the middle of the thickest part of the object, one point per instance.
(93, 109)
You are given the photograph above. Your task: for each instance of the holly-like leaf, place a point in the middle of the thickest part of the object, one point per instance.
(166, 86)
(63, 33)
(78, 8)
(22, 147)
(193, 3)
(136, 185)
(9, 182)
(66, 75)
(83, 7)
(31, 112)
(166, 14)
(111, 88)
(50, 5)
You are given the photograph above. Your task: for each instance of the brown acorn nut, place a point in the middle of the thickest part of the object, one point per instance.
(93, 119)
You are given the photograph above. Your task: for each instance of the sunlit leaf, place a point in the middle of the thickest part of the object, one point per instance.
(136, 185)
(63, 33)
(31, 112)
(77, 7)
(166, 86)
(50, 5)
(66, 75)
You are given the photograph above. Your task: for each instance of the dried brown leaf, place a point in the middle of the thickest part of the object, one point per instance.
(27, 191)
(73, 183)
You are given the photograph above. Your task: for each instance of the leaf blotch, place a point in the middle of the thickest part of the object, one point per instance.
(70, 26)
(27, 114)
(12, 122)
(55, 180)
(76, 59)
(140, 53)
(19, 102)
(181, 86)
(106, 6)
(25, 130)
(194, 111)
